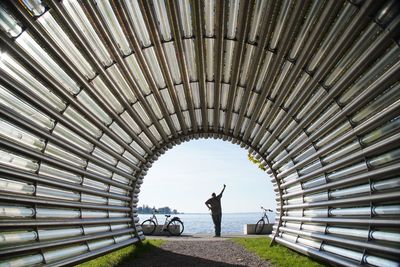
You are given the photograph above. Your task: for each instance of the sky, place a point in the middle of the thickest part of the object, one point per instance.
(185, 176)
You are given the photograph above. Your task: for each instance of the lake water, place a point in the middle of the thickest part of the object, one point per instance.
(201, 223)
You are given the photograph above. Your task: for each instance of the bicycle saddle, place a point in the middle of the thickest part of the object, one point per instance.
(167, 216)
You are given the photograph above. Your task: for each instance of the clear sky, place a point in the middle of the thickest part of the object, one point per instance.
(185, 176)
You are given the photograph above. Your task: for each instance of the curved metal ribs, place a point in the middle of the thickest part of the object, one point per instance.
(93, 92)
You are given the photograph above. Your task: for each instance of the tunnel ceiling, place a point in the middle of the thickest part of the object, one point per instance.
(93, 92)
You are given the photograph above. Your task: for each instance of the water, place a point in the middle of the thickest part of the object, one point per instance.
(201, 223)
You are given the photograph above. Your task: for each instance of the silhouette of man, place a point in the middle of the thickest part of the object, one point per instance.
(214, 204)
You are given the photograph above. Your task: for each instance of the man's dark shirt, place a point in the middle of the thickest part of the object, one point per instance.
(215, 203)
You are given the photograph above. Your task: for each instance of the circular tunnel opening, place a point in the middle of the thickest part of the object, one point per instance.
(185, 176)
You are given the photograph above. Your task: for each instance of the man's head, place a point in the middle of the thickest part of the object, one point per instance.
(213, 195)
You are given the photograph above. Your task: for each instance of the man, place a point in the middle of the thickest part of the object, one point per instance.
(214, 204)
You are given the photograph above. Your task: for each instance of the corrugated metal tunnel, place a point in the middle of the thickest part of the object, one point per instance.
(93, 92)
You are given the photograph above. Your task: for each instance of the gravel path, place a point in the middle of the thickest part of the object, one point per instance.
(198, 253)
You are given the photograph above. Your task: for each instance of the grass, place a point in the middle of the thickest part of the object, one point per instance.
(123, 255)
(277, 255)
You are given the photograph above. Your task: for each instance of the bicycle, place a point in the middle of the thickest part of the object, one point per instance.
(261, 223)
(150, 225)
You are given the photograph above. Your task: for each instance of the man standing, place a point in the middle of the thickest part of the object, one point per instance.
(214, 204)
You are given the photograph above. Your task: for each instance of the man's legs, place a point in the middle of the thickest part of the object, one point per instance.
(218, 228)
(217, 223)
(214, 218)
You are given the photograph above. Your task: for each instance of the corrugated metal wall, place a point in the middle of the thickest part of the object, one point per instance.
(93, 92)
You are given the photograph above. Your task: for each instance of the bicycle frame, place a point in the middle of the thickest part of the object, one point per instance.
(265, 214)
(154, 218)
(152, 222)
(165, 224)
(265, 217)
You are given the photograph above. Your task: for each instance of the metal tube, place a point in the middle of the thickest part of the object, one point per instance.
(292, 26)
(38, 32)
(362, 199)
(377, 148)
(381, 173)
(380, 45)
(197, 20)
(55, 86)
(219, 60)
(244, 21)
(314, 39)
(61, 164)
(350, 221)
(43, 179)
(61, 203)
(341, 45)
(97, 19)
(371, 123)
(93, 254)
(144, 5)
(68, 146)
(363, 98)
(367, 7)
(59, 222)
(316, 253)
(121, 9)
(65, 241)
(339, 240)
(246, 96)
(172, 9)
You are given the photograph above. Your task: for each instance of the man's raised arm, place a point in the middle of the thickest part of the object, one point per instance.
(223, 189)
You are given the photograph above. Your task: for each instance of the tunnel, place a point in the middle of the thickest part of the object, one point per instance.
(93, 92)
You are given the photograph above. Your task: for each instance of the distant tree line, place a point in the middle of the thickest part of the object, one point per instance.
(146, 209)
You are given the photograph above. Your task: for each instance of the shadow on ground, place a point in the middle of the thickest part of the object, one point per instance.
(154, 256)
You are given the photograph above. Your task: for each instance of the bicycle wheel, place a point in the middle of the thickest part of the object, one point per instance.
(259, 227)
(148, 227)
(172, 225)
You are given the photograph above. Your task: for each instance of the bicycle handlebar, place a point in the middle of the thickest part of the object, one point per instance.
(266, 209)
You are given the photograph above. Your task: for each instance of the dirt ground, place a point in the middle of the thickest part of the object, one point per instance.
(194, 253)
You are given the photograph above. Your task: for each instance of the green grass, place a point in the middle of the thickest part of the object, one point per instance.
(123, 255)
(277, 255)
